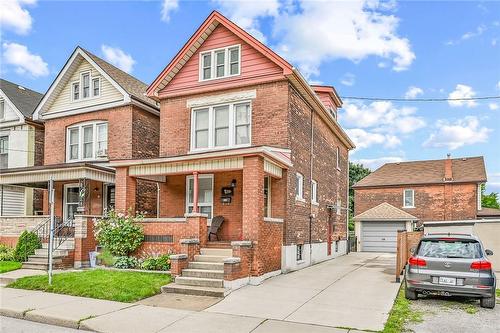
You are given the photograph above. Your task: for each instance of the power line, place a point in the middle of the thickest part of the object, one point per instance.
(420, 99)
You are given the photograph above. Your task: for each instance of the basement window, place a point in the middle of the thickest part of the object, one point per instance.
(300, 252)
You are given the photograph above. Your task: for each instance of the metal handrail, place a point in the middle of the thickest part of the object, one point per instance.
(62, 231)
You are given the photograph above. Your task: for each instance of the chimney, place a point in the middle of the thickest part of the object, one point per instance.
(448, 173)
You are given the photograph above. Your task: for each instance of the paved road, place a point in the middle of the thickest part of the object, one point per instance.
(355, 291)
(12, 325)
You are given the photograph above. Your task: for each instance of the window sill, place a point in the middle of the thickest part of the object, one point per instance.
(273, 220)
(208, 150)
(409, 207)
(201, 80)
(89, 160)
(298, 199)
(314, 203)
(300, 262)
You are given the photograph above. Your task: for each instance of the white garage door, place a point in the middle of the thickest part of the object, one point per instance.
(380, 236)
(12, 201)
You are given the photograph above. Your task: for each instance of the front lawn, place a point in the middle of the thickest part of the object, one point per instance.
(401, 314)
(98, 283)
(7, 266)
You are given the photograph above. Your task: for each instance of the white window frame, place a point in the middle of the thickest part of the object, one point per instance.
(65, 197)
(2, 109)
(339, 206)
(7, 148)
(299, 185)
(268, 179)
(208, 175)
(412, 199)
(213, 61)
(80, 87)
(314, 192)
(80, 127)
(211, 127)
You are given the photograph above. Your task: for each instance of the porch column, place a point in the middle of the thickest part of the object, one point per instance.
(125, 188)
(253, 197)
(195, 192)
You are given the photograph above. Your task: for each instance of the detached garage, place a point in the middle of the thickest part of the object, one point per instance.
(376, 229)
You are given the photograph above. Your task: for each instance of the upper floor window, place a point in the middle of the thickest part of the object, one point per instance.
(409, 198)
(299, 186)
(221, 126)
(219, 63)
(332, 112)
(337, 153)
(2, 109)
(314, 192)
(4, 152)
(86, 87)
(87, 141)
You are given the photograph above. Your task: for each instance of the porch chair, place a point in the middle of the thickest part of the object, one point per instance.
(215, 225)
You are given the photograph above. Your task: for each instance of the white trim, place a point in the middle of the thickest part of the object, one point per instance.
(105, 195)
(213, 63)
(314, 192)
(413, 198)
(299, 184)
(268, 181)
(21, 118)
(2, 103)
(65, 201)
(273, 220)
(479, 197)
(188, 178)
(80, 127)
(221, 98)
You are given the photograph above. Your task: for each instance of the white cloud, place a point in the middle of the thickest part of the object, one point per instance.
(493, 106)
(468, 35)
(246, 13)
(13, 16)
(348, 29)
(167, 7)
(24, 62)
(364, 139)
(375, 163)
(348, 79)
(413, 92)
(117, 57)
(462, 91)
(453, 135)
(498, 85)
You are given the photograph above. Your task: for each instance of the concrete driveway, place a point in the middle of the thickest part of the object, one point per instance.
(355, 291)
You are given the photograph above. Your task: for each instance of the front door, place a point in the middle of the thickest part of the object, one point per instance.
(71, 201)
(109, 197)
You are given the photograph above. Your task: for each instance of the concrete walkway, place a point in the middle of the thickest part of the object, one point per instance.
(354, 291)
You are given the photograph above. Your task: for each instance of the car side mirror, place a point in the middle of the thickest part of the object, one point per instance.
(489, 252)
(412, 250)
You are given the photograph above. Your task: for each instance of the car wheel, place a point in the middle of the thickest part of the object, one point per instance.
(410, 294)
(488, 302)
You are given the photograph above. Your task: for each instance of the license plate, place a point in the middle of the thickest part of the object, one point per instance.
(447, 280)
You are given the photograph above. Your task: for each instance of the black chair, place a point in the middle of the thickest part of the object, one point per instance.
(214, 226)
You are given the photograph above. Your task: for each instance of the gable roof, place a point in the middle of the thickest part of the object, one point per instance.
(197, 39)
(464, 170)
(24, 99)
(330, 90)
(385, 212)
(128, 85)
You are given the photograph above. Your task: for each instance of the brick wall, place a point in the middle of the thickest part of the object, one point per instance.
(432, 202)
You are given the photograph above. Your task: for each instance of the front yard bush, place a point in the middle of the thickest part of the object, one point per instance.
(126, 262)
(120, 234)
(26, 245)
(161, 263)
(6, 253)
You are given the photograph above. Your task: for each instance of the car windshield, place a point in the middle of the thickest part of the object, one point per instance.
(450, 249)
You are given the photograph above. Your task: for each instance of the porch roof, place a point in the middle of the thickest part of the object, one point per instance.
(31, 176)
(275, 159)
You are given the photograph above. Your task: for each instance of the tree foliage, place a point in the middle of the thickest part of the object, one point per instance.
(489, 200)
(356, 173)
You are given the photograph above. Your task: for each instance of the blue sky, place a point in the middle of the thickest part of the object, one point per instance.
(367, 48)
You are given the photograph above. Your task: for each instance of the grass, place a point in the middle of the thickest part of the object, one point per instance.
(401, 314)
(98, 283)
(7, 266)
(498, 292)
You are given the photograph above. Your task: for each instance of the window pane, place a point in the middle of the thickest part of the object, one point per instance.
(408, 198)
(73, 152)
(242, 135)
(2, 109)
(206, 73)
(73, 135)
(221, 116)
(87, 134)
(76, 91)
(201, 119)
(201, 140)
(220, 71)
(206, 210)
(4, 144)
(95, 86)
(242, 114)
(204, 190)
(86, 85)
(234, 61)
(222, 137)
(219, 56)
(87, 150)
(234, 55)
(102, 132)
(206, 60)
(234, 69)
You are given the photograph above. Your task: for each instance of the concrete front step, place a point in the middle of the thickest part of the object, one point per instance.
(36, 265)
(56, 253)
(199, 282)
(209, 258)
(66, 245)
(203, 273)
(194, 290)
(206, 265)
(216, 252)
(44, 258)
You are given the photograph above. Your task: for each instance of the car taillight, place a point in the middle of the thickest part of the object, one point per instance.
(414, 261)
(482, 265)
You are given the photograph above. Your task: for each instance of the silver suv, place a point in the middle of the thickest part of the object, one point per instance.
(451, 265)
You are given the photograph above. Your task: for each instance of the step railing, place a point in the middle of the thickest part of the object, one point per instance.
(62, 231)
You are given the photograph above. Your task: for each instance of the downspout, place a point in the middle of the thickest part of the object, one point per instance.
(311, 154)
(1, 204)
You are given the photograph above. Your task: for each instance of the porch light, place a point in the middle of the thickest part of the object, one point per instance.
(233, 183)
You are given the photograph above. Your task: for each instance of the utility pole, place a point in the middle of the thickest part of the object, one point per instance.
(51, 233)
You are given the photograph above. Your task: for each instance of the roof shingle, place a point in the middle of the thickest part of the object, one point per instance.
(469, 169)
(23, 98)
(385, 212)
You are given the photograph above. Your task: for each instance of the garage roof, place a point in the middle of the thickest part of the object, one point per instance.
(385, 212)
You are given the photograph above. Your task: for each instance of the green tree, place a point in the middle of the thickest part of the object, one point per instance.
(489, 200)
(356, 173)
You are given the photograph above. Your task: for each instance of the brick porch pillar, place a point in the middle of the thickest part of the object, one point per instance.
(253, 197)
(125, 187)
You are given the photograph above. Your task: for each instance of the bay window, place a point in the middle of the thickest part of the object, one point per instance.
(87, 141)
(220, 63)
(221, 126)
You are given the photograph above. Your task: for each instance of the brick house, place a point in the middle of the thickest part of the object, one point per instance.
(430, 190)
(93, 113)
(21, 145)
(243, 136)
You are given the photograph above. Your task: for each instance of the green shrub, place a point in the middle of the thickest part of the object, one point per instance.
(161, 263)
(26, 245)
(149, 264)
(126, 262)
(119, 233)
(6, 253)
(106, 258)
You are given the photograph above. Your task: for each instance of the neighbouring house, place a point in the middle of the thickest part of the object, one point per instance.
(397, 195)
(93, 112)
(21, 145)
(245, 137)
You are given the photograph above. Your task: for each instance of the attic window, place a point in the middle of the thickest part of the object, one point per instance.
(2, 109)
(86, 87)
(220, 63)
(332, 112)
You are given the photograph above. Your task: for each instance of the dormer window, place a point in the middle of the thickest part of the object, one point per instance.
(220, 63)
(2, 109)
(332, 112)
(86, 87)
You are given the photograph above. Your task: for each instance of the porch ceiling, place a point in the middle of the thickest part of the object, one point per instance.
(60, 172)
